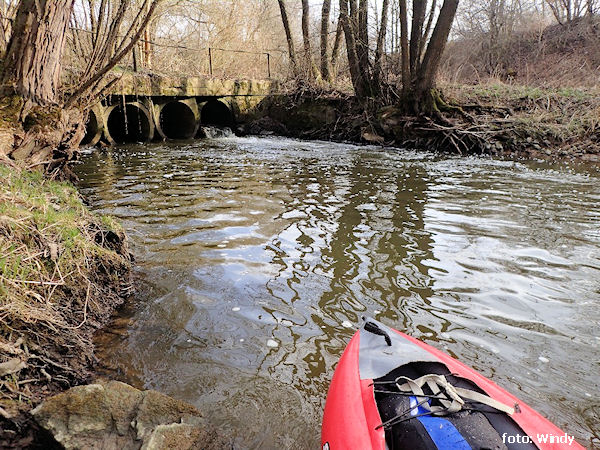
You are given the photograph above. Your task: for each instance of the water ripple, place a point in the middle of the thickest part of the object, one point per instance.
(259, 256)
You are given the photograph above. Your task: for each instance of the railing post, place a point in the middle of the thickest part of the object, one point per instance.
(210, 61)
(269, 65)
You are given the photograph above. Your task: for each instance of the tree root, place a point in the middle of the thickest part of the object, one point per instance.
(440, 105)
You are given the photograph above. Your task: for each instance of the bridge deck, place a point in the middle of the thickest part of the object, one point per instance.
(151, 85)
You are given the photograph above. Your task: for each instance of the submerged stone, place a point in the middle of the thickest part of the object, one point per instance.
(116, 415)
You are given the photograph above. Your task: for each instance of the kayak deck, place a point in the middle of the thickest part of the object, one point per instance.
(369, 406)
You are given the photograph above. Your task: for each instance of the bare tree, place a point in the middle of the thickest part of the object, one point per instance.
(356, 73)
(378, 70)
(7, 12)
(325, 12)
(335, 52)
(419, 70)
(312, 69)
(290, 39)
(49, 121)
(405, 64)
(362, 42)
(566, 11)
(110, 44)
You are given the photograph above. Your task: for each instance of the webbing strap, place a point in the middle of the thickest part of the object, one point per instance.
(444, 434)
(451, 398)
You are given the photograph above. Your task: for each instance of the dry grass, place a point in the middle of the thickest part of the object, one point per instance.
(554, 56)
(62, 271)
(552, 118)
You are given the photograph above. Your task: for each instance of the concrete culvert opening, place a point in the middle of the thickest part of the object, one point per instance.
(92, 130)
(133, 125)
(177, 121)
(217, 113)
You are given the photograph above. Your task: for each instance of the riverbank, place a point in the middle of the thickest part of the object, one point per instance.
(496, 119)
(63, 271)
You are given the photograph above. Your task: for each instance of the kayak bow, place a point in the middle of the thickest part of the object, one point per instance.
(392, 391)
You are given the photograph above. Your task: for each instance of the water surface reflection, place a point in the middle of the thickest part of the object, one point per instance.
(244, 241)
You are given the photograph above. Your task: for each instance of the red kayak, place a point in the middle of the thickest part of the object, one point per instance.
(392, 391)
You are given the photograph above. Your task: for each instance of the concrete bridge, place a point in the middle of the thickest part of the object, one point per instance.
(146, 107)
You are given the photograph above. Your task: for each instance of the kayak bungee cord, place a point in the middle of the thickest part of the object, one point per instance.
(391, 391)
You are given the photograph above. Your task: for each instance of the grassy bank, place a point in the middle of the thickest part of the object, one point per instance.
(62, 272)
(535, 121)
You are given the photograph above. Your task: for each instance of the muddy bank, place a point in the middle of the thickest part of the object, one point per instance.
(498, 119)
(63, 271)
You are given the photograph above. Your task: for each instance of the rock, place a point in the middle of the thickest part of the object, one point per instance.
(116, 415)
(11, 366)
(157, 409)
(392, 121)
(183, 436)
(372, 138)
(267, 125)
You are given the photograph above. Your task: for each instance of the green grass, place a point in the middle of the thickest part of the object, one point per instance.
(50, 253)
(42, 215)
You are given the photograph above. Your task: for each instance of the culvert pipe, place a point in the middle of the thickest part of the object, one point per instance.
(94, 127)
(177, 119)
(216, 112)
(132, 123)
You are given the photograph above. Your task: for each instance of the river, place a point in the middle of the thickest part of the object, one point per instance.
(256, 258)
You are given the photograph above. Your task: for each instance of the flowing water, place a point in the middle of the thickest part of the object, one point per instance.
(256, 258)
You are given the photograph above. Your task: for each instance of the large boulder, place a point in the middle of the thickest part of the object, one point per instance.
(115, 415)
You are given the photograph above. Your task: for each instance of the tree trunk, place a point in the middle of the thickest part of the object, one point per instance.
(313, 72)
(325, 71)
(290, 39)
(416, 34)
(406, 74)
(362, 45)
(355, 72)
(425, 100)
(378, 70)
(437, 43)
(427, 28)
(353, 15)
(32, 65)
(335, 52)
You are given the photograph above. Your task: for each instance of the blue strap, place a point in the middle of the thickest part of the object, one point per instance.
(441, 431)
(444, 434)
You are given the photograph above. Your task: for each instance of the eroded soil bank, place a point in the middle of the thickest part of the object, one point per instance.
(63, 271)
(495, 119)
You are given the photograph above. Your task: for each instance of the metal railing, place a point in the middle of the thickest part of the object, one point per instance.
(208, 57)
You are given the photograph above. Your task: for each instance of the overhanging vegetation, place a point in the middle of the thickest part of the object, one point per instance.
(62, 271)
